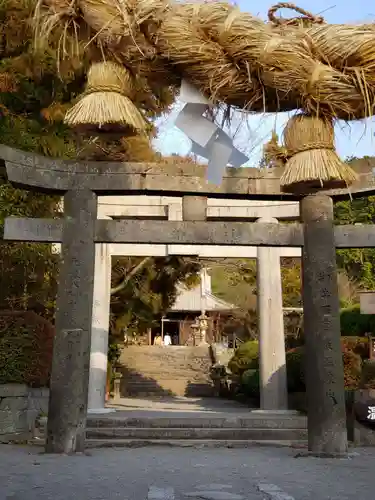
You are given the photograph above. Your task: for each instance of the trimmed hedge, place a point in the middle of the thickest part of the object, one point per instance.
(26, 344)
(248, 369)
(357, 324)
(250, 382)
(295, 369)
(246, 357)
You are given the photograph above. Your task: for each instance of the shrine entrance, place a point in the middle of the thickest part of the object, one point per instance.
(80, 231)
(182, 320)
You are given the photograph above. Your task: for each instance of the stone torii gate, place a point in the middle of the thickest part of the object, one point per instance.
(80, 230)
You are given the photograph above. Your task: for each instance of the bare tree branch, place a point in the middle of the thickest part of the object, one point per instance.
(130, 275)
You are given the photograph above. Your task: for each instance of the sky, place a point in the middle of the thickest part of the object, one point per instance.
(352, 139)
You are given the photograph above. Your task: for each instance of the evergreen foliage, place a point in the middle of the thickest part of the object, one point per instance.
(26, 344)
(35, 92)
(33, 99)
(358, 263)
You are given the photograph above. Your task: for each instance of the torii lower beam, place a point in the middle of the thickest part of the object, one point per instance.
(187, 233)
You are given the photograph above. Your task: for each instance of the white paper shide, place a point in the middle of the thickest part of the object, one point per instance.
(208, 139)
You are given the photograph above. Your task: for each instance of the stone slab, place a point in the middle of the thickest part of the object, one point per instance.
(214, 486)
(229, 434)
(21, 437)
(183, 443)
(155, 493)
(19, 408)
(214, 495)
(314, 454)
(367, 302)
(19, 403)
(13, 390)
(274, 492)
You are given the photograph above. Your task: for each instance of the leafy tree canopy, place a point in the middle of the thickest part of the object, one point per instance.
(34, 97)
(358, 263)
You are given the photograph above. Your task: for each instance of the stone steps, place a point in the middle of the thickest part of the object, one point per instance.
(177, 433)
(142, 388)
(185, 443)
(252, 421)
(197, 443)
(135, 377)
(139, 381)
(201, 431)
(173, 370)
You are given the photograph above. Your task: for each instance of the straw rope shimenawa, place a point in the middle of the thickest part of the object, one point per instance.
(232, 57)
(105, 100)
(311, 159)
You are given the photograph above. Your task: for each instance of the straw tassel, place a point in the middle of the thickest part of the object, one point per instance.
(312, 162)
(105, 105)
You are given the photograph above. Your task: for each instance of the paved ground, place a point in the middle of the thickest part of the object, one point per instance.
(180, 474)
(178, 406)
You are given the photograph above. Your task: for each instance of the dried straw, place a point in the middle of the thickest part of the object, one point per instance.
(312, 160)
(185, 40)
(239, 33)
(345, 47)
(57, 18)
(290, 64)
(105, 102)
(230, 56)
(109, 18)
(274, 155)
(306, 20)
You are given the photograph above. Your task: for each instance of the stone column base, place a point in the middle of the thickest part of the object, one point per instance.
(100, 411)
(305, 454)
(277, 412)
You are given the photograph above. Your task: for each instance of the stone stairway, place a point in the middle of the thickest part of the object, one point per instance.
(166, 371)
(120, 430)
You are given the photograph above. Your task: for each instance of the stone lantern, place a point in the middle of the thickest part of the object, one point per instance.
(203, 324)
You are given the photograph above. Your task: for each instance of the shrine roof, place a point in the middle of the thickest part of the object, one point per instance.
(189, 300)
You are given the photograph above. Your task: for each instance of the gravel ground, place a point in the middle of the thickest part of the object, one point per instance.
(177, 474)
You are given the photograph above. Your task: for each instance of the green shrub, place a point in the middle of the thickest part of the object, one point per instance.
(245, 363)
(250, 383)
(354, 323)
(114, 353)
(246, 357)
(295, 368)
(26, 345)
(295, 365)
